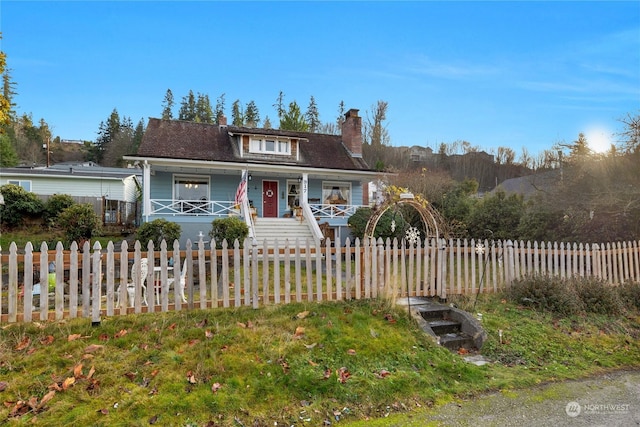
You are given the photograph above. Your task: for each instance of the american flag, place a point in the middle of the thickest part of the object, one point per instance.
(241, 192)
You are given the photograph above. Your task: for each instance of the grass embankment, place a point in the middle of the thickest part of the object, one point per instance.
(303, 364)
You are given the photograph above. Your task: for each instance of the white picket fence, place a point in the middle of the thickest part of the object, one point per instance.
(89, 281)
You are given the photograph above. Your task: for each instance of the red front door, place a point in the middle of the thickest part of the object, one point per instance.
(270, 199)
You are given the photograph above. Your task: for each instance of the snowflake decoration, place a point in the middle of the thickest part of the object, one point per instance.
(480, 249)
(393, 225)
(413, 235)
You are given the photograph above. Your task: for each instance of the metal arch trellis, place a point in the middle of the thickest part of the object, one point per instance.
(435, 228)
(430, 218)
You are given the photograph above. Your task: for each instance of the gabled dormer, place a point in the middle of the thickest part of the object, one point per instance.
(273, 148)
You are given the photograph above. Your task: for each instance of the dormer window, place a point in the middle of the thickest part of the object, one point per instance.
(270, 146)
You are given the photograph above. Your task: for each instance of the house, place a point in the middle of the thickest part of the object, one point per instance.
(113, 192)
(297, 183)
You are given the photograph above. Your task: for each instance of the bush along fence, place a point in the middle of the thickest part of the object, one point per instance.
(94, 282)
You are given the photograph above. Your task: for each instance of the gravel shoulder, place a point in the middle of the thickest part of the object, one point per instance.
(611, 399)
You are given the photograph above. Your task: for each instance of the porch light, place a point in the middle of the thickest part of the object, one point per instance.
(299, 179)
(250, 177)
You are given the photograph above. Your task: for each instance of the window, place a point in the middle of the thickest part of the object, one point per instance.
(293, 194)
(336, 193)
(24, 184)
(270, 146)
(193, 191)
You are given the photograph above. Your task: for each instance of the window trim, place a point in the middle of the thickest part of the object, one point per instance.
(177, 177)
(21, 183)
(262, 146)
(339, 184)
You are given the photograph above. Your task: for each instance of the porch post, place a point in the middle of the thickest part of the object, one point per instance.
(146, 191)
(304, 196)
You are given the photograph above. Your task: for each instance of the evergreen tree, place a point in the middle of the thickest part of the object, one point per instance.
(341, 112)
(312, 116)
(267, 123)
(188, 108)
(138, 133)
(8, 155)
(106, 132)
(251, 115)
(167, 106)
(204, 114)
(293, 119)
(219, 111)
(237, 117)
(279, 105)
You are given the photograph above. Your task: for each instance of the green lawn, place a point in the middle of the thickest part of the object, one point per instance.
(305, 363)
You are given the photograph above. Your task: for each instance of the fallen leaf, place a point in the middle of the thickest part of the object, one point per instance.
(31, 350)
(121, 333)
(389, 318)
(249, 324)
(3, 385)
(208, 334)
(47, 397)
(153, 419)
(26, 341)
(172, 327)
(299, 332)
(68, 382)
(77, 371)
(103, 411)
(104, 337)
(203, 323)
(351, 352)
(462, 350)
(191, 378)
(310, 346)
(312, 363)
(383, 373)
(154, 372)
(92, 348)
(215, 387)
(153, 391)
(55, 386)
(343, 375)
(302, 314)
(87, 356)
(47, 340)
(130, 375)
(327, 374)
(242, 325)
(91, 372)
(193, 342)
(73, 337)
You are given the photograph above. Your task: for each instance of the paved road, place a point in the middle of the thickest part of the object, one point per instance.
(607, 400)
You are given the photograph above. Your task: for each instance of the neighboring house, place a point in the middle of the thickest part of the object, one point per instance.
(300, 181)
(112, 191)
(530, 185)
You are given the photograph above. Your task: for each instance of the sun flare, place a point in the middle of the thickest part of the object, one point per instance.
(599, 139)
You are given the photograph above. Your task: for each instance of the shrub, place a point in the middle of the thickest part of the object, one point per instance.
(228, 229)
(598, 296)
(157, 231)
(630, 295)
(571, 296)
(79, 223)
(18, 205)
(546, 293)
(54, 207)
(358, 223)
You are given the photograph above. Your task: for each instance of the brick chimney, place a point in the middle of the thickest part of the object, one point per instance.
(352, 132)
(222, 120)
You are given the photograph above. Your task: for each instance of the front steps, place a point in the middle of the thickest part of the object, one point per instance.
(452, 328)
(282, 229)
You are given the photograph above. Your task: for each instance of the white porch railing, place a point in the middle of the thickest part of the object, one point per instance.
(333, 211)
(193, 207)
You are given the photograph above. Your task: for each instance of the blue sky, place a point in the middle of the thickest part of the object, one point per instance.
(511, 74)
